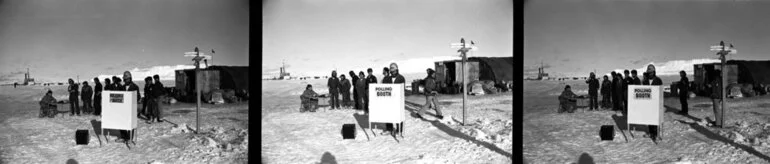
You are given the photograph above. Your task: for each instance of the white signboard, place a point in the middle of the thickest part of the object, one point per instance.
(645, 104)
(386, 103)
(119, 110)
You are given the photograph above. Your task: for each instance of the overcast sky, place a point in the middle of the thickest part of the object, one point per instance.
(576, 37)
(314, 37)
(59, 39)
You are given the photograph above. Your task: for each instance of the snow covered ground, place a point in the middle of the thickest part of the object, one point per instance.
(25, 138)
(292, 137)
(549, 137)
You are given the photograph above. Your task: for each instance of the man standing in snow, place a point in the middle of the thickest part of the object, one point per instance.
(371, 79)
(683, 92)
(345, 90)
(653, 80)
(593, 87)
(87, 92)
(354, 80)
(74, 101)
(361, 90)
(626, 81)
(158, 93)
(606, 92)
(97, 97)
(334, 87)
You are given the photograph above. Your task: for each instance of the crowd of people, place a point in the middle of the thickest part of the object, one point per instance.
(360, 89)
(91, 97)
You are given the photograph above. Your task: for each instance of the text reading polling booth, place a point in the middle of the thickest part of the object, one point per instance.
(119, 110)
(386, 104)
(645, 105)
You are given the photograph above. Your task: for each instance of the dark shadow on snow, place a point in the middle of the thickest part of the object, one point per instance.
(452, 132)
(363, 122)
(328, 158)
(585, 158)
(675, 111)
(711, 135)
(97, 130)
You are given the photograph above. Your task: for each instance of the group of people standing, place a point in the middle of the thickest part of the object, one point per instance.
(360, 85)
(91, 97)
(615, 92)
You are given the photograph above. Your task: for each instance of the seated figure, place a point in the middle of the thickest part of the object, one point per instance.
(48, 105)
(309, 99)
(567, 100)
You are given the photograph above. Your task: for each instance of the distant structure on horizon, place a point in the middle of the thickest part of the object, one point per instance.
(283, 74)
(541, 75)
(28, 80)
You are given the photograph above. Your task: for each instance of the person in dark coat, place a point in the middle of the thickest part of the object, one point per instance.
(147, 99)
(130, 85)
(354, 80)
(116, 84)
(108, 86)
(48, 105)
(716, 98)
(627, 80)
(395, 76)
(361, 90)
(371, 79)
(158, 93)
(593, 92)
(606, 89)
(309, 99)
(97, 97)
(86, 97)
(334, 91)
(74, 100)
(345, 90)
(652, 80)
(617, 91)
(645, 78)
(386, 79)
(635, 79)
(684, 91)
(430, 95)
(567, 100)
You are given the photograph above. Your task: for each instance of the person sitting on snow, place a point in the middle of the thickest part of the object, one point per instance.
(567, 100)
(309, 99)
(48, 105)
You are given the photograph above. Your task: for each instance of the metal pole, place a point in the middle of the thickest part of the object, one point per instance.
(724, 86)
(198, 94)
(465, 86)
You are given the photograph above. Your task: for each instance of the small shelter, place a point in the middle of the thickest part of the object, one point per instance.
(213, 79)
(738, 72)
(494, 69)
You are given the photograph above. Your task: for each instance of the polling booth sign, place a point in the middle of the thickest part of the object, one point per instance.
(386, 104)
(645, 105)
(119, 110)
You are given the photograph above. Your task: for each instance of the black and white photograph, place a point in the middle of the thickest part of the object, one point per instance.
(349, 81)
(646, 81)
(124, 81)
